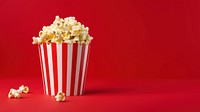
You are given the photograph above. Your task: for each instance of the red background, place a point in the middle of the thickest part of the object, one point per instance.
(133, 39)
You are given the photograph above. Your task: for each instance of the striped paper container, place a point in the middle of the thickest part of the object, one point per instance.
(63, 67)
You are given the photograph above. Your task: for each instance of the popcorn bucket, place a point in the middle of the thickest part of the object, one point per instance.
(63, 67)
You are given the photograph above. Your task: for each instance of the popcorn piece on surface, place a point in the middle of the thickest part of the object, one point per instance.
(67, 30)
(10, 94)
(23, 89)
(60, 96)
(17, 95)
(14, 93)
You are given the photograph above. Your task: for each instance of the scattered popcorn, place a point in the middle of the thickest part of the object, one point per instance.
(60, 96)
(23, 89)
(67, 30)
(14, 93)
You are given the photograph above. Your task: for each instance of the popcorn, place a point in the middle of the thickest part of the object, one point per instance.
(67, 30)
(60, 96)
(17, 93)
(36, 40)
(14, 93)
(23, 89)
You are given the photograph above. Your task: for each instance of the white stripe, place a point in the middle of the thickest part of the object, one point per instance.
(77, 68)
(44, 68)
(49, 52)
(59, 63)
(84, 66)
(41, 65)
(69, 67)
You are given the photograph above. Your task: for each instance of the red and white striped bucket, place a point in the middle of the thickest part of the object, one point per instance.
(63, 67)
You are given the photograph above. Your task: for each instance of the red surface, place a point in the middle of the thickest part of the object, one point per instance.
(133, 39)
(108, 96)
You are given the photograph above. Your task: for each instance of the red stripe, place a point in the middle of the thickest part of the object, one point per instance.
(47, 68)
(86, 66)
(55, 67)
(81, 68)
(64, 67)
(74, 57)
(40, 56)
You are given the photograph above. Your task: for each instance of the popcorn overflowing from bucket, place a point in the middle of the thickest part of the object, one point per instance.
(67, 30)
